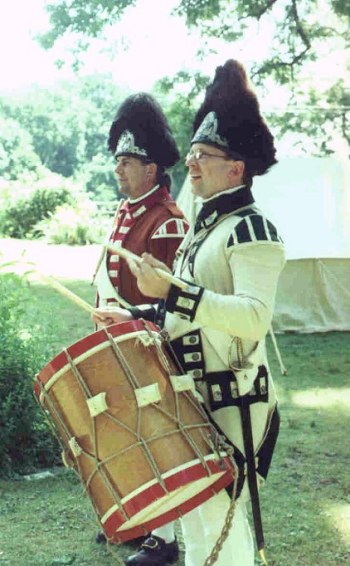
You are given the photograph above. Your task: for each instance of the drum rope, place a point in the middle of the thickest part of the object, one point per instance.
(114, 494)
(153, 465)
(51, 407)
(120, 356)
(122, 361)
(183, 429)
(121, 424)
(190, 440)
(162, 357)
(134, 383)
(199, 408)
(66, 432)
(212, 558)
(58, 426)
(140, 442)
(111, 489)
(77, 374)
(150, 439)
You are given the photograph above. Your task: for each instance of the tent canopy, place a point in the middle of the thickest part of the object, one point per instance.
(308, 198)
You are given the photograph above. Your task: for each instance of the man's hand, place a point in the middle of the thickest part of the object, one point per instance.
(106, 316)
(148, 280)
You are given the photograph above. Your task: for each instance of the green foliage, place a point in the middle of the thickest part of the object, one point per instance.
(180, 109)
(74, 225)
(56, 122)
(341, 7)
(81, 17)
(25, 440)
(315, 122)
(296, 36)
(23, 210)
(99, 178)
(17, 153)
(197, 11)
(68, 126)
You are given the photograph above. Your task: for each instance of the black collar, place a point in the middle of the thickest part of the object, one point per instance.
(224, 203)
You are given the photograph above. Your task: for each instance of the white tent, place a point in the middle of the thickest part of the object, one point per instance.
(308, 199)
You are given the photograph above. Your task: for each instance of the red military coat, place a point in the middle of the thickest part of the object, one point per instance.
(152, 224)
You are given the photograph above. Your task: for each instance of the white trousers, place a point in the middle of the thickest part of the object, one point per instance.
(202, 527)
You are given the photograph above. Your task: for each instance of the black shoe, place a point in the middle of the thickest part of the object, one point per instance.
(154, 551)
(100, 538)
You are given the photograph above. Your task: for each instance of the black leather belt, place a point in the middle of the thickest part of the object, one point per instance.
(223, 389)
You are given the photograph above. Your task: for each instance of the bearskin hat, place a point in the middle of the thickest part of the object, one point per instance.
(140, 129)
(230, 119)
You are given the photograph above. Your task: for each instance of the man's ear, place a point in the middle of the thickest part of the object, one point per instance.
(151, 169)
(236, 170)
(238, 167)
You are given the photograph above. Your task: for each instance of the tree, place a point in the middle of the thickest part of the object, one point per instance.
(82, 18)
(65, 129)
(17, 154)
(300, 34)
(180, 109)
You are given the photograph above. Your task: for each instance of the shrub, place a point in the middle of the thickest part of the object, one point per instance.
(20, 217)
(26, 202)
(26, 442)
(80, 224)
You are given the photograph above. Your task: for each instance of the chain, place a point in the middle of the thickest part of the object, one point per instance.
(212, 558)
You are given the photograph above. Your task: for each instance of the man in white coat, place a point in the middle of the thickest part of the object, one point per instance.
(232, 258)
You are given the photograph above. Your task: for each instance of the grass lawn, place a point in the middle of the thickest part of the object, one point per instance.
(305, 502)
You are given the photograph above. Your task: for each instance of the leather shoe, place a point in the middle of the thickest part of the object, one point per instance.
(154, 551)
(100, 538)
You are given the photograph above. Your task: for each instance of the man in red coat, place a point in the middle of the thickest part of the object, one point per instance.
(148, 220)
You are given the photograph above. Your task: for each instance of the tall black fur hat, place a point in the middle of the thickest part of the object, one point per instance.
(230, 119)
(140, 129)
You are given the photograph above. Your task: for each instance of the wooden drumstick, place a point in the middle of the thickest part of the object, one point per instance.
(67, 293)
(63, 290)
(126, 254)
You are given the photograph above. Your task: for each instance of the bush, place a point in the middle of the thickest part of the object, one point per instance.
(26, 442)
(80, 224)
(22, 214)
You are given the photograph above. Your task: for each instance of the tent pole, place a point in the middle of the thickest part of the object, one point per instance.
(277, 351)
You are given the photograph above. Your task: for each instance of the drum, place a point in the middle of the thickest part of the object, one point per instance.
(132, 429)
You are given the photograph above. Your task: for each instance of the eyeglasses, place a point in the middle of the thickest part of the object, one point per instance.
(198, 154)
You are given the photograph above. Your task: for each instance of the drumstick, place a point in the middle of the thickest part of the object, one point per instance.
(126, 254)
(63, 290)
(67, 293)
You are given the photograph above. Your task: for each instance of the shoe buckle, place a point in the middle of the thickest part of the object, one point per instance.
(154, 544)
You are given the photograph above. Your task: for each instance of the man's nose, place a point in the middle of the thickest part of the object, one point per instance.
(189, 159)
